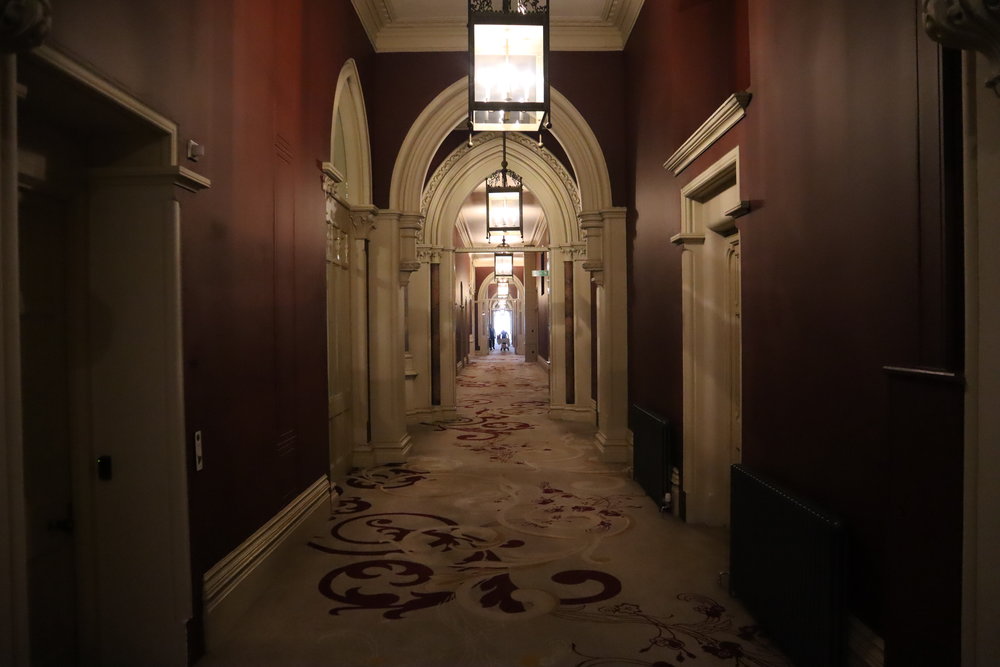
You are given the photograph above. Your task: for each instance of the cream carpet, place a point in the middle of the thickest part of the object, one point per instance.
(502, 541)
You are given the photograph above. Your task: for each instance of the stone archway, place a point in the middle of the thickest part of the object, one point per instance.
(349, 213)
(595, 235)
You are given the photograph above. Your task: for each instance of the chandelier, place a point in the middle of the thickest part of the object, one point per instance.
(504, 203)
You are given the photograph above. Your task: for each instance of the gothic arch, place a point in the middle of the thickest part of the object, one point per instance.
(450, 108)
(467, 167)
(350, 122)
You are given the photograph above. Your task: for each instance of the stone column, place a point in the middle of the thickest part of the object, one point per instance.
(390, 442)
(604, 232)
(362, 226)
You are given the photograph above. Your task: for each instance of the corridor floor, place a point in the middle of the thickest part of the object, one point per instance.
(502, 541)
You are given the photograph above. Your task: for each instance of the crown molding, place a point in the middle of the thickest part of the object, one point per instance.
(626, 17)
(389, 36)
(373, 17)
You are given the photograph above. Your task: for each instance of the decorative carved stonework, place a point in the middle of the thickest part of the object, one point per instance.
(967, 24)
(24, 24)
(363, 220)
(483, 137)
(429, 254)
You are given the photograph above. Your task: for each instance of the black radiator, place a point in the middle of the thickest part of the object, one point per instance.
(787, 566)
(651, 453)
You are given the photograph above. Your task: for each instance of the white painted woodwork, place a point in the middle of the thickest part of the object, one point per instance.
(711, 339)
(232, 585)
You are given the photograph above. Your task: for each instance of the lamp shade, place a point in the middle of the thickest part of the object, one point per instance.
(508, 64)
(503, 264)
(504, 205)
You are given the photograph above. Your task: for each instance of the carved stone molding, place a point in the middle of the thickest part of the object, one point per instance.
(24, 24)
(515, 137)
(967, 24)
(429, 254)
(572, 253)
(363, 220)
(592, 224)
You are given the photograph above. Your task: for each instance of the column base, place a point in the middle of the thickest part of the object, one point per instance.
(576, 413)
(380, 453)
(613, 450)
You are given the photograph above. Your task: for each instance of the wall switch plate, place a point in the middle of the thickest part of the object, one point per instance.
(199, 460)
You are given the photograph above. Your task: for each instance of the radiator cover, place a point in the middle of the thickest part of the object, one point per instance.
(652, 456)
(787, 566)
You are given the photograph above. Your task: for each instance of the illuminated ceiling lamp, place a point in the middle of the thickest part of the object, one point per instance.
(503, 263)
(508, 65)
(504, 203)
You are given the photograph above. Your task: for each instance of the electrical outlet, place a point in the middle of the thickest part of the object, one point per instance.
(199, 460)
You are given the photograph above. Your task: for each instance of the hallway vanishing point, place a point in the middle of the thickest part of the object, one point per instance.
(502, 541)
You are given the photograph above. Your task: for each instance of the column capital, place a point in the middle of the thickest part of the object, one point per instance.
(25, 24)
(363, 220)
(967, 24)
(428, 254)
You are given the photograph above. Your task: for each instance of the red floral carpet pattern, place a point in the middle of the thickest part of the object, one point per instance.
(501, 542)
(510, 516)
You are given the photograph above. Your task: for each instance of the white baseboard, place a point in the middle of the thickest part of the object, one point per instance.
(864, 647)
(232, 585)
(544, 363)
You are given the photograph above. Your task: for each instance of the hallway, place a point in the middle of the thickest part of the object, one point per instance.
(501, 541)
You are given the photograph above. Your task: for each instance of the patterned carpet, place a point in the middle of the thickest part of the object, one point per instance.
(501, 541)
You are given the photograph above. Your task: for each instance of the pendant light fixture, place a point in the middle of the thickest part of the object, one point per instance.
(508, 64)
(504, 203)
(503, 262)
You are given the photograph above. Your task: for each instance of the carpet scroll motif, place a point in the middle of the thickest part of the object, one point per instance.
(501, 515)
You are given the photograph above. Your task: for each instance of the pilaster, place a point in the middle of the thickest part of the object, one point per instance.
(362, 225)
(604, 232)
(389, 440)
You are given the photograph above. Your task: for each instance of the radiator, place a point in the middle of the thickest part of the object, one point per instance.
(651, 453)
(787, 566)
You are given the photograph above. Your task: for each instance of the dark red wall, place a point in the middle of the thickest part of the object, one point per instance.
(680, 66)
(406, 82)
(253, 81)
(844, 256)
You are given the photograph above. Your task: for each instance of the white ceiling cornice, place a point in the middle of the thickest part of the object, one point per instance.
(387, 34)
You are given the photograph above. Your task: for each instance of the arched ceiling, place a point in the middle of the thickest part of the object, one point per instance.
(440, 25)
(473, 218)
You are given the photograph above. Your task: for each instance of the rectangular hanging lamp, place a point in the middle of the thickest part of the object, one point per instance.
(508, 64)
(504, 206)
(503, 264)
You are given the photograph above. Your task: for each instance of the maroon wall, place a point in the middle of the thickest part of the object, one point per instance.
(253, 81)
(406, 82)
(847, 268)
(680, 66)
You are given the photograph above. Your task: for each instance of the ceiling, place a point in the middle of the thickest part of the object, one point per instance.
(441, 25)
(472, 219)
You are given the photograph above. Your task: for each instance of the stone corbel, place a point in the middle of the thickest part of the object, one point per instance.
(967, 24)
(363, 220)
(410, 226)
(332, 185)
(24, 24)
(592, 225)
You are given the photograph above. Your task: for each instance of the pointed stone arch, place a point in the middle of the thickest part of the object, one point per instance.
(349, 125)
(347, 183)
(594, 221)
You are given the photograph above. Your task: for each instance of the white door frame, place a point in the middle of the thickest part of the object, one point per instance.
(709, 352)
